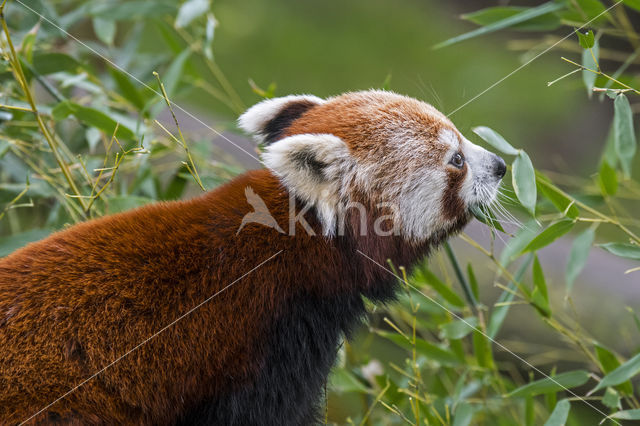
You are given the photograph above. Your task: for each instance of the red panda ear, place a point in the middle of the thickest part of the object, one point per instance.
(313, 167)
(268, 120)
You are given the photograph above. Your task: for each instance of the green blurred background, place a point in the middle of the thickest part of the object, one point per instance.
(329, 47)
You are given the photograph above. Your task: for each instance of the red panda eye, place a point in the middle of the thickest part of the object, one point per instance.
(457, 160)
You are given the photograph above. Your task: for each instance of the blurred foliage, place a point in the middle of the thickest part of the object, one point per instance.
(87, 128)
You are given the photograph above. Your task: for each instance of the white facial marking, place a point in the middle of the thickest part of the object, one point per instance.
(313, 168)
(481, 184)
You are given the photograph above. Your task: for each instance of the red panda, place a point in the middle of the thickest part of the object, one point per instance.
(228, 308)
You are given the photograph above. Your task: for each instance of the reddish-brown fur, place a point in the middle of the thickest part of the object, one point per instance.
(74, 303)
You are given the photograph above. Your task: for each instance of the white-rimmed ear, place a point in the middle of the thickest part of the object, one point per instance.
(268, 119)
(313, 167)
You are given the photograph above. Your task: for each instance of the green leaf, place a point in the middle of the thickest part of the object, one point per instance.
(524, 182)
(105, 30)
(429, 350)
(491, 15)
(174, 72)
(4, 147)
(626, 415)
(342, 381)
(92, 117)
(172, 78)
(608, 179)
(127, 89)
(176, 185)
(557, 383)
(459, 328)
(539, 295)
(190, 10)
(482, 349)
(611, 399)
(578, 256)
(624, 135)
(563, 203)
(131, 10)
(589, 77)
(463, 414)
(425, 275)
(559, 415)
(49, 63)
(592, 8)
(549, 235)
(515, 245)
(494, 139)
(212, 23)
(523, 16)
(529, 413)
(13, 242)
(473, 281)
(499, 313)
(488, 219)
(586, 39)
(629, 251)
(621, 374)
(633, 4)
(608, 363)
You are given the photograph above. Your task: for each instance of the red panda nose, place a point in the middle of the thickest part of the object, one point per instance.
(499, 167)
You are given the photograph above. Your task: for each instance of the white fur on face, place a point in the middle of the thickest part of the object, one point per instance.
(255, 119)
(313, 168)
(420, 203)
(481, 185)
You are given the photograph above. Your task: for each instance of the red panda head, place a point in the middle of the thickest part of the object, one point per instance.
(375, 147)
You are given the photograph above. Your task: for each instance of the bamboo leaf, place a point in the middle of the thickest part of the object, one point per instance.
(105, 30)
(463, 414)
(608, 363)
(586, 39)
(560, 413)
(608, 179)
(490, 15)
(499, 313)
(459, 328)
(425, 275)
(431, 351)
(549, 235)
(611, 399)
(190, 10)
(92, 117)
(626, 415)
(557, 383)
(494, 139)
(539, 295)
(624, 134)
(563, 203)
(524, 181)
(588, 55)
(523, 16)
(623, 250)
(621, 374)
(578, 256)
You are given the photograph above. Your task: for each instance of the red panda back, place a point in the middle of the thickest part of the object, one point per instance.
(76, 301)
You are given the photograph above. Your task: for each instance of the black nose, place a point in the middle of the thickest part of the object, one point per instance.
(499, 167)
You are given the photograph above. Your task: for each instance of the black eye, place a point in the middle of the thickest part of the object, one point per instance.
(457, 160)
